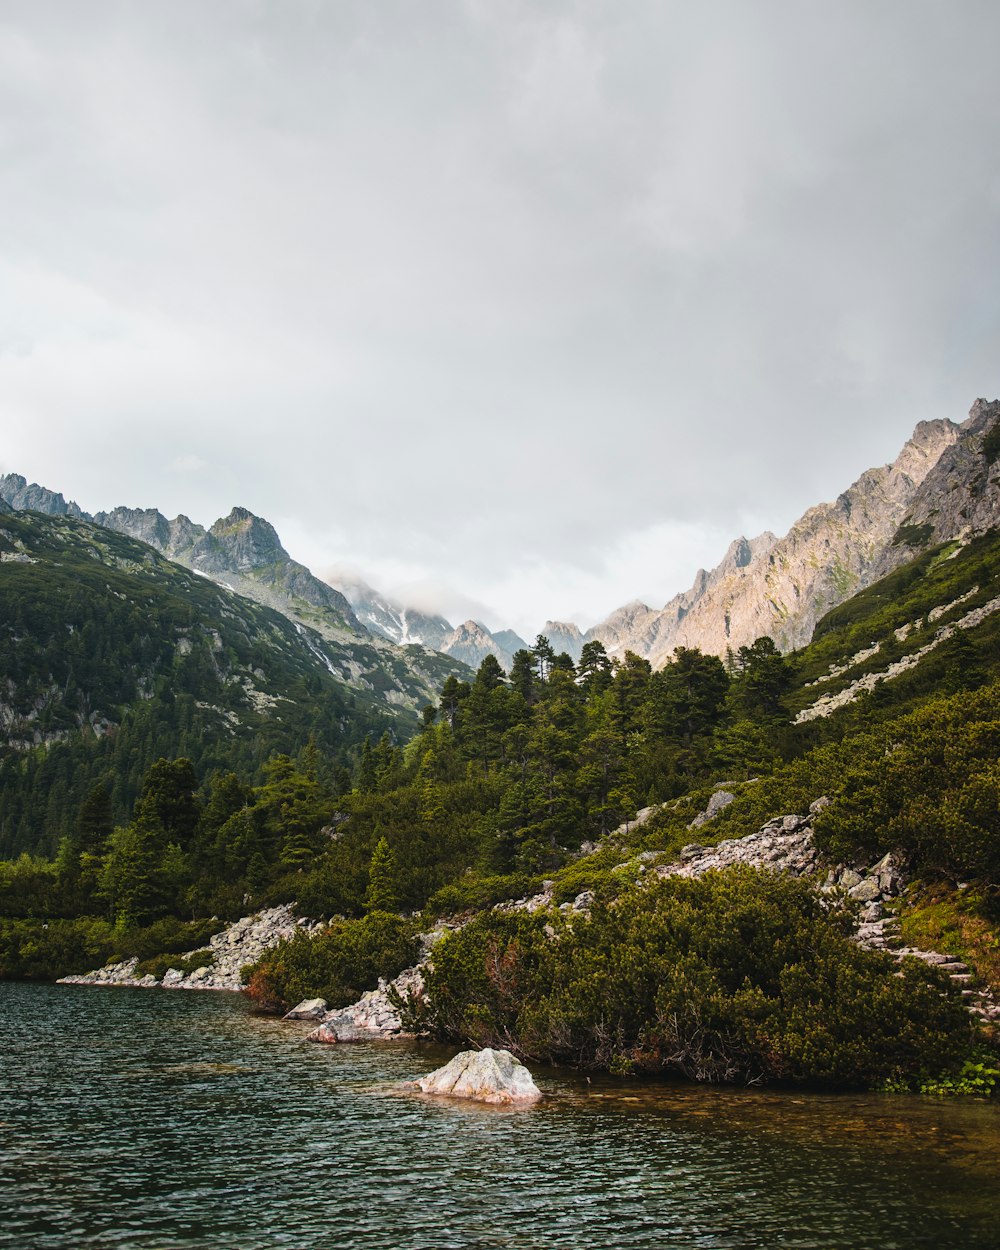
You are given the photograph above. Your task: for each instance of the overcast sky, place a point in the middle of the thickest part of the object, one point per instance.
(526, 309)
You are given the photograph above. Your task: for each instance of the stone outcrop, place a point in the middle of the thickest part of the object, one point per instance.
(719, 800)
(490, 1076)
(375, 1016)
(784, 844)
(241, 943)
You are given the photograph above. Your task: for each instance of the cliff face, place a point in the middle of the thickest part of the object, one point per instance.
(958, 497)
(564, 636)
(781, 586)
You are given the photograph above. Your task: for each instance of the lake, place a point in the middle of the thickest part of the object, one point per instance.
(152, 1119)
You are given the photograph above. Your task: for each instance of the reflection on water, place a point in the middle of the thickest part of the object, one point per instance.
(159, 1120)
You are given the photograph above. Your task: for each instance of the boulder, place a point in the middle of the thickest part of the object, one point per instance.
(492, 1076)
(308, 1009)
(866, 891)
(719, 800)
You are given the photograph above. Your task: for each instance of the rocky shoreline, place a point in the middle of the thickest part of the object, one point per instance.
(238, 944)
(784, 844)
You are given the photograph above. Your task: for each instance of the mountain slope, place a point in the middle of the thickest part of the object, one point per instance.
(243, 554)
(389, 619)
(112, 655)
(781, 587)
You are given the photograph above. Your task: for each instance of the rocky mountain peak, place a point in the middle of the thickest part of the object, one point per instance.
(957, 496)
(15, 490)
(471, 642)
(249, 541)
(923, 450)
(149, 525)
(781, 587)
(564, 636)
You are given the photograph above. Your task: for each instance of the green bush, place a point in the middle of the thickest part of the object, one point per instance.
(978, 1078)
(736, 976)
(166, 937)
(472, 892)
(338, 964)
(160, 965)
(36, 950)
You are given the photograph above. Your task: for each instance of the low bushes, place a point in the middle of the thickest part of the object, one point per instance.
(737, 976)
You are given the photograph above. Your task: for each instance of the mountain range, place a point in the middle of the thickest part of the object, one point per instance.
(941, 485)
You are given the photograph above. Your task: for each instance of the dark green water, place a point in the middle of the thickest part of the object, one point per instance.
(155, 1119)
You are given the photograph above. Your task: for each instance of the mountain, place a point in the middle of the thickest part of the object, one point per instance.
(472, 642)
(16, 491)
(781, 586)
(564, 636)
(243, 554)
(389, 619)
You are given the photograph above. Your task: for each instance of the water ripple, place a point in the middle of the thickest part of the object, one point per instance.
(152, 1120)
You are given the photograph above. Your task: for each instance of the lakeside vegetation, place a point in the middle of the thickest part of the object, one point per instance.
(512, 780)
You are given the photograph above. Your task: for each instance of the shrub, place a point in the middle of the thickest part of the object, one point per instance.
(35, 950)
(473, 892)
(338, 964)
(736, 976)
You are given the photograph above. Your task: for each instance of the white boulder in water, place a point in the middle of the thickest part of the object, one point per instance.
(493, 1076)
(308, 1009)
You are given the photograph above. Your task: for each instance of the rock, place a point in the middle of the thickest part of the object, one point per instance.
(326, 1034)
(719, 800)
(491, 1076)
(817, 805)
(771, 847)
(373, 1016)
(308, 1009)
(866, 891)
(240, 943)
(848, 879)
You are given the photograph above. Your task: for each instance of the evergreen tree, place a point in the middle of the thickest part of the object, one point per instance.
(382, 894)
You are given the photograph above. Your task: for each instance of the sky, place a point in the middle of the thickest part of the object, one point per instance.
(521, 310)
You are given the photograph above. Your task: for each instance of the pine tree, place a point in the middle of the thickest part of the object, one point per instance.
(381, 894)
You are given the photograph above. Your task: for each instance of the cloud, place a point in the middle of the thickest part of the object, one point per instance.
(511, 300)
(188, 464)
